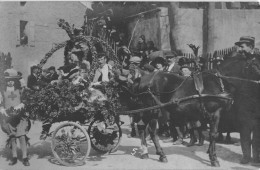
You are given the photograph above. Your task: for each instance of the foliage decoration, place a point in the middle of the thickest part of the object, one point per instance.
(59, 101)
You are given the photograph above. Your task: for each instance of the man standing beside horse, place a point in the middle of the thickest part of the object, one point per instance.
(250, 118)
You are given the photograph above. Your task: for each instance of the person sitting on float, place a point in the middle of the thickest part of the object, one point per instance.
(102, 73)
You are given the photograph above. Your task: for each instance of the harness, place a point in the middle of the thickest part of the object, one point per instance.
(198, 83)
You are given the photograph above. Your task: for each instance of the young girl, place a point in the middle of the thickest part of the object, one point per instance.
(16, 126)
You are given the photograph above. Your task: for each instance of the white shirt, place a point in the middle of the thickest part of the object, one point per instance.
(171, 66)
(104, 72)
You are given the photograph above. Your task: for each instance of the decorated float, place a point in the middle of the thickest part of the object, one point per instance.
(85, 119)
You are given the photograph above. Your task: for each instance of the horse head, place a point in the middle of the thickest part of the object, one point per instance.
(239, 74)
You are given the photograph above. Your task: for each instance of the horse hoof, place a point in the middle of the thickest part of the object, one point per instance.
(201, 143)
(215, 164)
(163, 159)
(178, 142)
(228, 142)
(192, 143)
(245, 160)
(145, 156)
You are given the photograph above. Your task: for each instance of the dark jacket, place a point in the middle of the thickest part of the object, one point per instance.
(32, 82)
(175, 69)
(53, 76)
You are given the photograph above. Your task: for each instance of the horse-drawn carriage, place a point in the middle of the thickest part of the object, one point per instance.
(71, 141)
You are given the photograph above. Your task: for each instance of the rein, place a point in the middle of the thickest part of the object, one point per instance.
(231, 77)
(149, 90)
(175, 102)
(236, 78)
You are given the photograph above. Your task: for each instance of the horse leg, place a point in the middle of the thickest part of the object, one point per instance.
(256, 143)
(144, 154)
(153, 133)
(228, 138)
(201, 136)
(193, 138)
(220, 137)
(245, 138)
(214, 121)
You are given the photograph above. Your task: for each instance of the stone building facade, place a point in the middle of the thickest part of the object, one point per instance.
(28, 30)
(212, 27)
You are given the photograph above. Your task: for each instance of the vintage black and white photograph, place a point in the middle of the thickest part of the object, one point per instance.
(129, 85)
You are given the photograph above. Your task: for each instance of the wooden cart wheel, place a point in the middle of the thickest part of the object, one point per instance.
(104, 138)
(70, 144)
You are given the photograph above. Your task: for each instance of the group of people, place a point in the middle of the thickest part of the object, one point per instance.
(142, 63)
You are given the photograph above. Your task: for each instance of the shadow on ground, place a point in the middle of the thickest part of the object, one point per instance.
(222, 152)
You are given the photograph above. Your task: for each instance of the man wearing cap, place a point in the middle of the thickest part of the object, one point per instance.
(15, 125)
(246, 46)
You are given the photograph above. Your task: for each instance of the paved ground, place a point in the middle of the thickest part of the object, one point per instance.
(179, 157)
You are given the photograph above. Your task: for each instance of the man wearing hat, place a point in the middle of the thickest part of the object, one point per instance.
(246, 46)
(173, 65)
(52, 74)
(16, 126)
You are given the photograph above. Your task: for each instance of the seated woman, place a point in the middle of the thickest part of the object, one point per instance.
(186, 71)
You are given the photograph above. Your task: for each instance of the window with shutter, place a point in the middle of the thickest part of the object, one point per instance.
(24, 33)
(17, 25)
(32, 34)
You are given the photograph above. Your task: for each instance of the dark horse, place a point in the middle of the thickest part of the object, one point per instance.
(245, 112)
(182, 96)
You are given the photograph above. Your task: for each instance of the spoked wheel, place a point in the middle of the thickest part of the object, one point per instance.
(104, 137)
(70, 144)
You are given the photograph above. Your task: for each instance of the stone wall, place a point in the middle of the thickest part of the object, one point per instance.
(154, 26)
(229, 25)
(186, 28)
